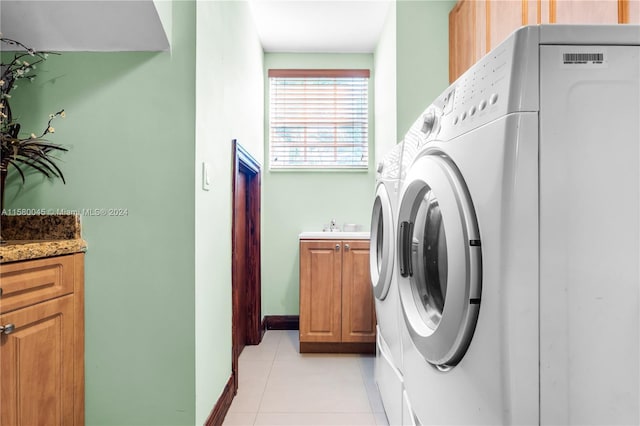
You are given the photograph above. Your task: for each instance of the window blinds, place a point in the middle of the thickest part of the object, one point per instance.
(319, 119)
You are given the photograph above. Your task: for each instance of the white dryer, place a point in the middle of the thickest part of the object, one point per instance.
(519, 236)
(384, 281)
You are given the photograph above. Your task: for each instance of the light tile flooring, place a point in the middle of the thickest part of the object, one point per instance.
(279, 386)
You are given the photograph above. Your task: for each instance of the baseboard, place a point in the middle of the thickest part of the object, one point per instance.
(345, 348)
(281, 322)
(222, 406)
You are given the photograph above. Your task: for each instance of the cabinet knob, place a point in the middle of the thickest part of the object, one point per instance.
(346, 247)
(337, 247)
(7, 329)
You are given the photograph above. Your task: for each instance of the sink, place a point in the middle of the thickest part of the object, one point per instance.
(333, 235)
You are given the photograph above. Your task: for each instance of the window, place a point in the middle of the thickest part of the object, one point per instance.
(319, 119)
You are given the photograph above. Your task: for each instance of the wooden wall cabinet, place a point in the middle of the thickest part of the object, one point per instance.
(42, 341)
(337, 311)
(467, 24)
(477, 26)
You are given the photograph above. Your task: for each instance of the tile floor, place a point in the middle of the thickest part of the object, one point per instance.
(280, 386)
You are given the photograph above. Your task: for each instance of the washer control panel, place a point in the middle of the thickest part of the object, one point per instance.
(503, 81)
(474, 98)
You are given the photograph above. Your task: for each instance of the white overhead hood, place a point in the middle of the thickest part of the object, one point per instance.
(86, 25)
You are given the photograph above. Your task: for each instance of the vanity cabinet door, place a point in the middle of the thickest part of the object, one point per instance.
(37, 365)
(320, 290)
(358, 308)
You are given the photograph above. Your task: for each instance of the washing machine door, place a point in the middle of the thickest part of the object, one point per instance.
(439, 255)
(382, 241)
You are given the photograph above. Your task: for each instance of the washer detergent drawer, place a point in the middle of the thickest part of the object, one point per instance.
(390, 383)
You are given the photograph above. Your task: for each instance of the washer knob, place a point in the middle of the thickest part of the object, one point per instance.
(430, 122)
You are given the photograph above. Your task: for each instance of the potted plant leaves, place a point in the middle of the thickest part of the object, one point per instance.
(31, 152)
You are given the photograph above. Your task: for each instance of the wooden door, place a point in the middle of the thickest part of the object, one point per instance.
(37, 365)
(320, 290)
(245, 281)
(358, 310)
(240, 259)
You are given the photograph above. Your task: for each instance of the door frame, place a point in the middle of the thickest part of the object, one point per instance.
(244, 163)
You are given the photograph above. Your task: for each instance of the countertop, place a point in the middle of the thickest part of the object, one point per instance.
(38, 236)
(16, 250)
(320, 235)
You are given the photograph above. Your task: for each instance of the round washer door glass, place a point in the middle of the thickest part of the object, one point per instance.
(429, 259)
(439, 255)
(382, 240)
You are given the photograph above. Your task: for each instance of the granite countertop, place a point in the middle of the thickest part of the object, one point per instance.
(37, 236)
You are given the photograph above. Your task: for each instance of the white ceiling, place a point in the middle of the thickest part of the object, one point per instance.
(340, 26)
(107, 25)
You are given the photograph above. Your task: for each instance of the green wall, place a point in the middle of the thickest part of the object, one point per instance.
(422, 56)
(412, 65)
(384, 59)
(294, 202)
(139, 126)
(158, 280)
(229, 105)
(130, 126)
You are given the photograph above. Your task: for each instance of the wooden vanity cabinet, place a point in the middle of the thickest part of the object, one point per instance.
(42, 341)
(337, 312)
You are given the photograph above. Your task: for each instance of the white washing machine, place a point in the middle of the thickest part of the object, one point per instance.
(385, 288)
(519, 236)
(412, 145)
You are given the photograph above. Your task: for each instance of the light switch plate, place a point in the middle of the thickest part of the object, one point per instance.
(206, 176)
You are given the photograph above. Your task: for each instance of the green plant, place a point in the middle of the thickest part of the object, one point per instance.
(34, 151)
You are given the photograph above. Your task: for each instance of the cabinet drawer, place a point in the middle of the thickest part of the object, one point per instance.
(33, 281)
